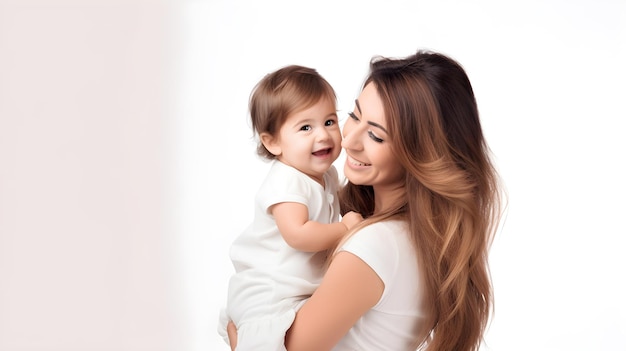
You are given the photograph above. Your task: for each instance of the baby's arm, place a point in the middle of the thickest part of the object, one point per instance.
(302, 234)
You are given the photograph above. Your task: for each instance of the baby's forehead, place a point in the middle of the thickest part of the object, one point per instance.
(320, 106)
(310, 116)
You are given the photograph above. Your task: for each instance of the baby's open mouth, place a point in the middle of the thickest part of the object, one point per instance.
(322, 152)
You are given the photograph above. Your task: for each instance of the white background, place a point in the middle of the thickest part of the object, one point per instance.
(127, 164)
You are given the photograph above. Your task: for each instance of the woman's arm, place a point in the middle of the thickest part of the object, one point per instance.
(349, 289)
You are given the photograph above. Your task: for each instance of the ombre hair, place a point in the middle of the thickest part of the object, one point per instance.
(288, 90)
(452, 203)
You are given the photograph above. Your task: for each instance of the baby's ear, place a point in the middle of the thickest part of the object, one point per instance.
(271, 143)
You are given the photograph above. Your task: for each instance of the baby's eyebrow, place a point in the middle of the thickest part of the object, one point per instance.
(311, 120)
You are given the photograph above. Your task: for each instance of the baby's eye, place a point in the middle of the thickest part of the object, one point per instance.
(330, 122)
(374, 137)
(305, 128)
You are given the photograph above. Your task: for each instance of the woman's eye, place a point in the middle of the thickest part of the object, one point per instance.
(353, 116)
(374, 137)
(305, 128)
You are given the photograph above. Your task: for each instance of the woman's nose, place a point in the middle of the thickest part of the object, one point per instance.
(346, 142)
(350, 140)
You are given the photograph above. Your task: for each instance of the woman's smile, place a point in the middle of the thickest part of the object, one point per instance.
(356, 164)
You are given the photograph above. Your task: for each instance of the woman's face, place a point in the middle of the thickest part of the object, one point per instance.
(369, 158)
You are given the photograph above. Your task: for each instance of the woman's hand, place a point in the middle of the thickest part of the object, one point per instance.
(232, 335)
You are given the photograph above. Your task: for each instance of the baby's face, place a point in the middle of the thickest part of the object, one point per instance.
(310, 139)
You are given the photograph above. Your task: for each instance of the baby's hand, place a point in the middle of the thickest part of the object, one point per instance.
(351, 219)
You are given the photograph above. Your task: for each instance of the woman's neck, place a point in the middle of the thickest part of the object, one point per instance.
(387, 198)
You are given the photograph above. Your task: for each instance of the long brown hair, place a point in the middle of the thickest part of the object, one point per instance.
(452, 202)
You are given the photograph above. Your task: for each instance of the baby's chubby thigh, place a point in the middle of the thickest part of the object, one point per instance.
(253, 296)
(261, 312)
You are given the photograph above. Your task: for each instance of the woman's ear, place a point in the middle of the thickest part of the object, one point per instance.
(271, 143)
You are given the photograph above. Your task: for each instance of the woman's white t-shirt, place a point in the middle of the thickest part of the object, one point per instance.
(393, 322)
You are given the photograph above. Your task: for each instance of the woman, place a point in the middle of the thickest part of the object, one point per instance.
(415, 273)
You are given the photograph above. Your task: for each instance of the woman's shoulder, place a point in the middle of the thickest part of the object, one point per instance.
(384, 231)
(380, 244)
(387, 225)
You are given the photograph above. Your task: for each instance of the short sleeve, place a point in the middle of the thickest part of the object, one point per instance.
(284, 184)
(372, 244)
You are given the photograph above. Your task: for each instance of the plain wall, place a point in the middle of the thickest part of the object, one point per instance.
(88, 255)
(127, 164)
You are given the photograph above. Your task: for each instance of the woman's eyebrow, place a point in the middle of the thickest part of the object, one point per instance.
(373, 124)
